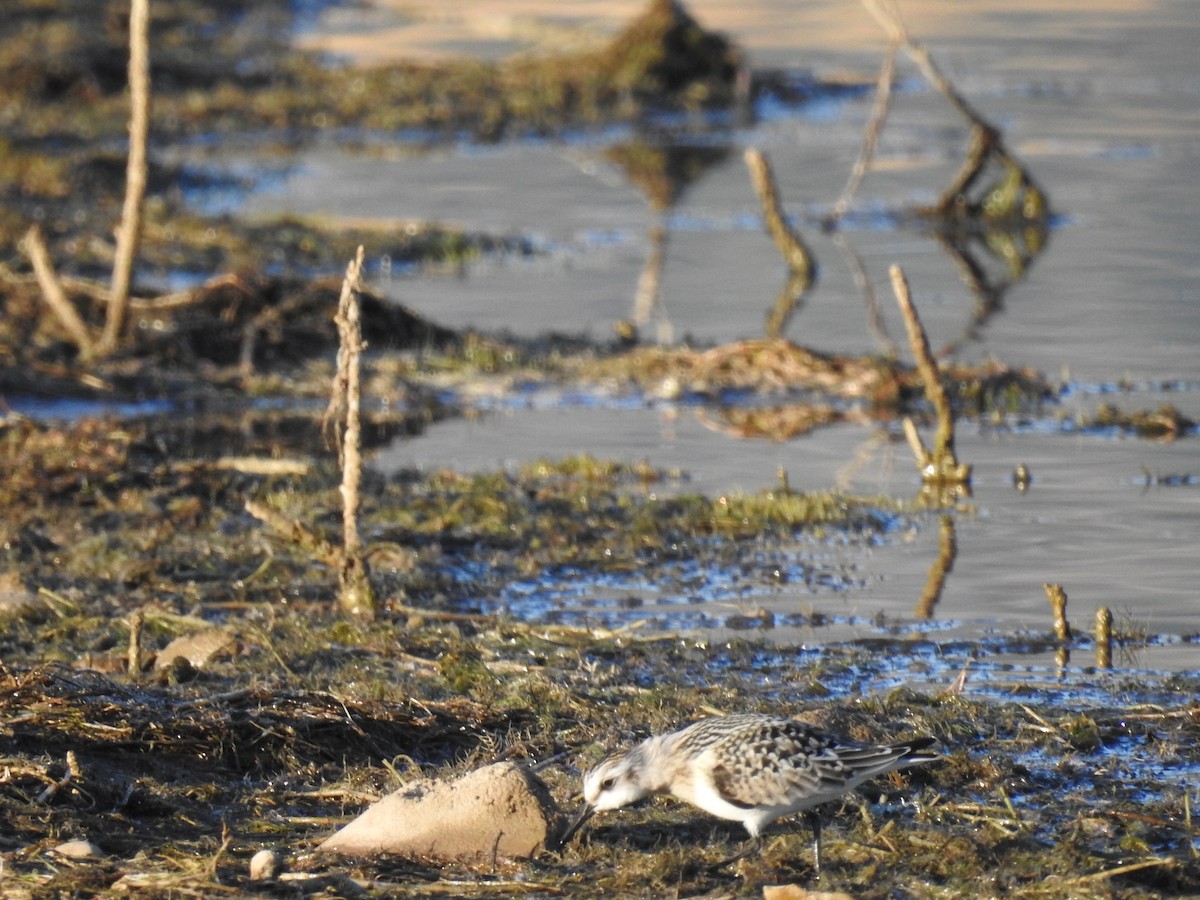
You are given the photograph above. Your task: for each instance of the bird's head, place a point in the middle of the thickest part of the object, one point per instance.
(614, 782)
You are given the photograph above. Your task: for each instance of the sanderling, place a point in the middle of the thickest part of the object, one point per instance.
(751, 768)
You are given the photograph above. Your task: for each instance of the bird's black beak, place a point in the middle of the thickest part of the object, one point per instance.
(583, 816)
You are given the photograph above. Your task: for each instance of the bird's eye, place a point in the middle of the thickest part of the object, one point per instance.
(607, 784)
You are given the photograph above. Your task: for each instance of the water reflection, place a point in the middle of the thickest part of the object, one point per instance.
(662, 169)
(940, 569)
(991, 219)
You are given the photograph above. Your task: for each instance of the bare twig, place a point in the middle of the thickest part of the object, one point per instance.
(257, 465)
(130, 232)
(938, 466)
(1045, 726)
(355, 593)
(927, 366)
(53, 787)
(1126, 869)
(210, 868)
(166, 302)
(914, 442)
(357, 597)
(349, 368)
(960, 683)
(1104, 622)
(1012, 810)
(53, 294)
(986, 140)
(883, 98)
(788, 301)
(792, 248)
(136, 621)
(888, 16)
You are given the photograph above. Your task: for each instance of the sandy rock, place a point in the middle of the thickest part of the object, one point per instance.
(500, 810)
(80, 850)
(199, 649)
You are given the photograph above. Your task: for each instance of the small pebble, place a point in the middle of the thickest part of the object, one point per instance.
(266, 865)
(80, 850)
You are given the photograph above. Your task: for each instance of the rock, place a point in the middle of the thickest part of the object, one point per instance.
(266, 865)
(199, 649)
(501, 810)
(80, 850)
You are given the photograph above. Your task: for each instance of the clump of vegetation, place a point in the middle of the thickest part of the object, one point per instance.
(1163, 424)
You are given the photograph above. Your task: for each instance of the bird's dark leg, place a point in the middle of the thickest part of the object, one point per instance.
(814, 819)
(752, 846)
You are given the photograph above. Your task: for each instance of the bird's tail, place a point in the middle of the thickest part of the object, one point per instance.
(910, 752)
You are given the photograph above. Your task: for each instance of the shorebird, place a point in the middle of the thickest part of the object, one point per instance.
(750, 768)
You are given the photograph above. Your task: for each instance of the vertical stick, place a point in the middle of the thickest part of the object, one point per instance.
(357, 598)
(350, 328)
(1058, 602)
(1103, 638)
(135, 643)
(943, 444)
(129, 234)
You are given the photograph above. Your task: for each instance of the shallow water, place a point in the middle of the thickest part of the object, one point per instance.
(1101, 103)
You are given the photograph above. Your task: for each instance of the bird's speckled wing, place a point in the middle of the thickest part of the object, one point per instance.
(777, 762)
(768, 761)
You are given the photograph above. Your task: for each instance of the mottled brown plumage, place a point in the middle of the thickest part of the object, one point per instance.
(750, 768)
